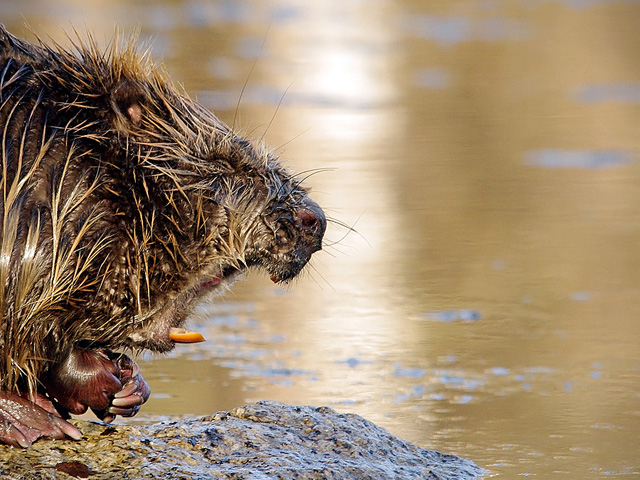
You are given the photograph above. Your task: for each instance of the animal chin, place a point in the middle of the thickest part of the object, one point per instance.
(284, 272)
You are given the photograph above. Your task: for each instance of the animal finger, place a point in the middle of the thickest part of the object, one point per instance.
(125, 412)
(66, 428)
(10, 435)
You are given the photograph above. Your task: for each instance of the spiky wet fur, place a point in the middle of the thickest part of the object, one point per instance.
(119, 196)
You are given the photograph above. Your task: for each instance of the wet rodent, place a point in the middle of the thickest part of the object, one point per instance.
(122, 201)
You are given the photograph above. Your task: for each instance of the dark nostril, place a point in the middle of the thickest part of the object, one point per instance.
(308, 219)
(311, 219)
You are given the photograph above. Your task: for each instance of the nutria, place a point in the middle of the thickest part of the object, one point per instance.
(123, 201)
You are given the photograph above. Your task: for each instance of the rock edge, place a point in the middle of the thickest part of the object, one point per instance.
(265, 440)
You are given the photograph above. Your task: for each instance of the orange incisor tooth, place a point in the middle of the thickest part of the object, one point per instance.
(180, 335)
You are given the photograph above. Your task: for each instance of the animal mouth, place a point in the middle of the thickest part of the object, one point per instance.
(215, 282)
(225, 277)
(178, 334)
(165, 328)
(212, 282)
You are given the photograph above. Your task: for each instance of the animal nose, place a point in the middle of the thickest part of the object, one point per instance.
(312, 222)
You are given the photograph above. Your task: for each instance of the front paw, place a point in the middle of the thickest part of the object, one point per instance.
(109, 383)
(135, 390)
(86, 378)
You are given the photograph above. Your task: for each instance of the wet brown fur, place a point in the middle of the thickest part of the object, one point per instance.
(118, 197)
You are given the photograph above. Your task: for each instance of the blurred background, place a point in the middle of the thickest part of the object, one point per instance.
(486, 154)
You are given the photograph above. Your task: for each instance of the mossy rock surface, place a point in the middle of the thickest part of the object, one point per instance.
(265, 440)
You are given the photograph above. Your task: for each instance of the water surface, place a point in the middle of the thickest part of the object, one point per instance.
(487, 154)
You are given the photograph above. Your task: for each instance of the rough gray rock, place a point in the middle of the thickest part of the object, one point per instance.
(265, 440)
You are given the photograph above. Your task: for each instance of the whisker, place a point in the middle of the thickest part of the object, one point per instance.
(273, 117)
(349, 228)
(250, 133)
(313, 267)
(309, 173)
(281, 147)
(312, 171)
(244, 87)
(331, 245)
(246, 82)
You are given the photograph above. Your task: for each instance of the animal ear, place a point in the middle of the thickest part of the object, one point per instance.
(127, 99)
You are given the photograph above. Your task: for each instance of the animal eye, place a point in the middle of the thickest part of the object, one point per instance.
(285, 233)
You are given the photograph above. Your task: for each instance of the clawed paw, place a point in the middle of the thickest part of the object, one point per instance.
(135, 391)
(109, 383)
(22, 422)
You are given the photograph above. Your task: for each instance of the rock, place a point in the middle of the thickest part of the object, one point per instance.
(265, 440)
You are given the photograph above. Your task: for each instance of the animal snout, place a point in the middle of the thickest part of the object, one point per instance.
(312, 222)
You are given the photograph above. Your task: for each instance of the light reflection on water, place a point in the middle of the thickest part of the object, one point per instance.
(486, 153)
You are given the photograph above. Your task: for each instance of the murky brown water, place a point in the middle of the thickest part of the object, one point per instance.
(487, 153)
